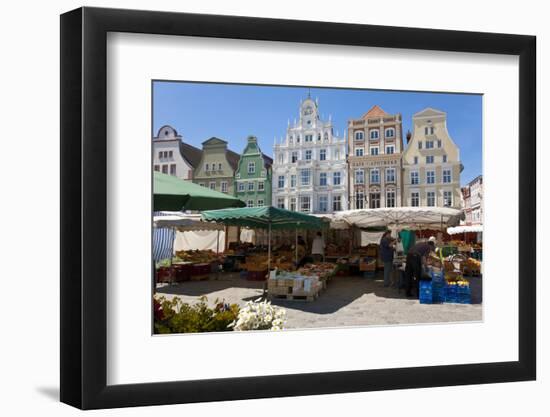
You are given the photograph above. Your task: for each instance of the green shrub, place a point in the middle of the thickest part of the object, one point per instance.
(175, 316)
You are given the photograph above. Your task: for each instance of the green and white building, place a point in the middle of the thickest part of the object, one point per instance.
(253, 175)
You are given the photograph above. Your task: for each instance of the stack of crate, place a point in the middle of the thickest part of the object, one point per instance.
(305, 289)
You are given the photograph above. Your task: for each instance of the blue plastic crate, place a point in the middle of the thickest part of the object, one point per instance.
(425, 293)
(437, 276)
(438, 292)
(464, 295)
(451, 295)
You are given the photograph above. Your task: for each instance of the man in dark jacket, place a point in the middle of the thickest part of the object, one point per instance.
(416, 258)
(386, 254)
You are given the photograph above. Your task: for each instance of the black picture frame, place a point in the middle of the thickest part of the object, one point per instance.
(84, 207)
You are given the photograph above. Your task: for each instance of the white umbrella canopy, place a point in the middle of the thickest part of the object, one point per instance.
(184, 222)
(401, 216)
(474, 228)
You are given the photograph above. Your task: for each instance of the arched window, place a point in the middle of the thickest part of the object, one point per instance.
(374, 134)
(359, 135)
(326, 136)
(318, 137)
(390, 132)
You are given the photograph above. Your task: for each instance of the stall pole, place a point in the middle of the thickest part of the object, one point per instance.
(296, 246)
(218, 243)
(269, 248)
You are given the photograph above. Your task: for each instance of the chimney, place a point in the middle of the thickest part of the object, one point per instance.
(408, 136)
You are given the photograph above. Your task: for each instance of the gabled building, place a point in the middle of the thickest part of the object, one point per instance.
(217, 166)
(253, 175)
(309, 165)
(375, 143)
(431, 163)
(172, 156)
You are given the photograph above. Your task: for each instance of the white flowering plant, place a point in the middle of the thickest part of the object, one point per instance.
(259, 315)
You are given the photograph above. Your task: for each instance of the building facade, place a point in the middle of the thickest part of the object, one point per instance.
(431, 163)
(172, 156)
(375, 143)
(472, 197)
(309, 165)
(253, 176)
(217, 166)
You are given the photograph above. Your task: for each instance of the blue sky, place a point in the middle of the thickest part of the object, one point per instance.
(231, 112)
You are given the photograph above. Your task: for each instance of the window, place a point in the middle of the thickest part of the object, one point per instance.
(374, 176)
(429, 130)
(439, 143)
(305, 203)
(323, 155)
(281, 158)
(447, 198)
(325, 136)
(165, 169)
(444, 158)
(446, 175)
(359, 176)
(390, 174)
(281, 202)
(172, 169)
(305, 177)
(291, 139)
(281, 182)
(219, 167)
(336, 178)
(390, 132)
(213, 185)
(323, 179)
(224, 186)
(250, 186)
(337, 203)
(298, 139)
(292, 180)
(374, 150)
(359, 136)
(414, 178)
(294, 157)
(309, 138)
(207, 167)
(419, 144)
(170, 154)
(261, 186)
(429, 144)
(358, 151)
(318, 137)
(260, 203)
(416, 160)
(156, 167)
(250, 203)
(374, 134)
(202, 184)
(251, 167)
(431, 198)
(390, 199)
(390, 149)
(293, 203)
(308, 155)
(323, 203)
(430, 159)
(430, 177)
(359, 200)
(336, 154)
(161, 155)
(415, 200)
(241, 187)
(374, 200)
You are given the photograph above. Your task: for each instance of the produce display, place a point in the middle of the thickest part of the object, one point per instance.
(336, 250)
(293, 286)
(196, 256)
(322, 270)
(255, 263)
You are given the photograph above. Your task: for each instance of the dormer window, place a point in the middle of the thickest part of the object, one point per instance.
(166, 133)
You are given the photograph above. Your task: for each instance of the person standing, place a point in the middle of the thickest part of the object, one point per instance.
(416, 260)
(386, 254)
(318, 247)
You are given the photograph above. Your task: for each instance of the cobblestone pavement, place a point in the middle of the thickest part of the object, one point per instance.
(347, 301)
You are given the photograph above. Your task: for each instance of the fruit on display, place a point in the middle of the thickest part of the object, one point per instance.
(196, 256)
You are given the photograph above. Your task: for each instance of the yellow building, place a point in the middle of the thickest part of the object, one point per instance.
(431, 163)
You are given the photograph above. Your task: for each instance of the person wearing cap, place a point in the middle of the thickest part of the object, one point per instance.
(416, 260)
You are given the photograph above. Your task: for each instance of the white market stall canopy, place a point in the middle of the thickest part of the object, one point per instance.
(409, 217)
(184, 222)
(474, 228)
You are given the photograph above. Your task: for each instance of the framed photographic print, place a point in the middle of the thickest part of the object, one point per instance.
(280, 207)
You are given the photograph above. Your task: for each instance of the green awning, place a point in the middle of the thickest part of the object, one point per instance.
(261, 217)
(174, 194)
